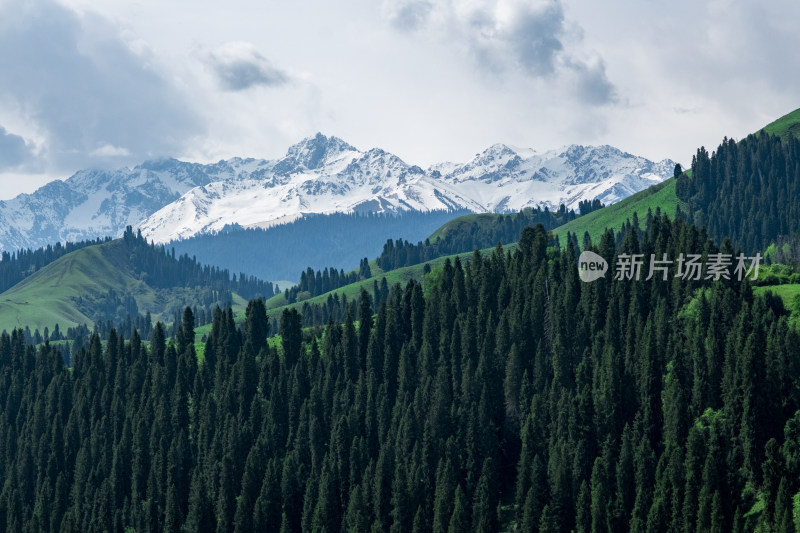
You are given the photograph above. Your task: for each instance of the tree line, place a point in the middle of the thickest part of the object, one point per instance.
(471, 234)
(748, 191)
(313, 283)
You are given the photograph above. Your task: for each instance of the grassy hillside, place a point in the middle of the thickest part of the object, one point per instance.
(276, 304)
(786, 126)
(661, 196)
(49, 296)
(789, 293)
(613, 216)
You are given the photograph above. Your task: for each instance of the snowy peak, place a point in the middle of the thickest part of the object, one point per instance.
(492, 165)
(379, 168)
(312, 153)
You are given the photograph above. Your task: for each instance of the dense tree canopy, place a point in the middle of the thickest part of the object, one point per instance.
(748, 191)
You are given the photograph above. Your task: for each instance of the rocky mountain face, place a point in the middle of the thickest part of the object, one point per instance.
(171, 199)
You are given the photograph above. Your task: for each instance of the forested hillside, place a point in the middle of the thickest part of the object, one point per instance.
(120, 282)
(313, 283)
(16, 266)
(511, 393)
(748, 191)
(730, 174)
(459, 235)
(472, 232)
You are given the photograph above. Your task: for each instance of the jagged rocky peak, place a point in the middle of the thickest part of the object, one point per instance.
(313, 152)
(495, 154)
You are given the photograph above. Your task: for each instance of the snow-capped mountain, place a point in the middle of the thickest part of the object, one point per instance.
(170, 199)
(95, 203)
(510, 179)
(327, 175)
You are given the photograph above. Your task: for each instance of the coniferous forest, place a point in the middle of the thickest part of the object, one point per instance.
(506, 395)
(747, 190)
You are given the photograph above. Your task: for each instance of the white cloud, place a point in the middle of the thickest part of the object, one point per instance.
(502, 36)
(407, 15)
(110, 151)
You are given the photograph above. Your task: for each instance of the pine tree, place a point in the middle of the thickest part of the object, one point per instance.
(256, 326)
(784, 520)
(484, 515)
(356, 518)
(201, 515)
(291, 336)
(548, 522)
(459, 520)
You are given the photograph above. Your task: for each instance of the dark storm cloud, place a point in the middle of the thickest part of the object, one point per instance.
(13, 150)
(535, 37)
(592, 85)
(409, 15)
(85, 90)
(239, 66)
(531, 37)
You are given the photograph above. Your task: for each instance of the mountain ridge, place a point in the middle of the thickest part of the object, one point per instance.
(171, 199)
(326, 175)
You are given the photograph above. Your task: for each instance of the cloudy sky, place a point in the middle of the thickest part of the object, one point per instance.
(110, 84)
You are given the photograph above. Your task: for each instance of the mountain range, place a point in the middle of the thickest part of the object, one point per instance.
(170, 199)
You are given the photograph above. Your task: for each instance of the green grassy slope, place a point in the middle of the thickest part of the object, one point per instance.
(400, 275)
(788, 293)
(613, 216)
(48, 297)
(277, 304)
(786, 126)
(661, 196)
